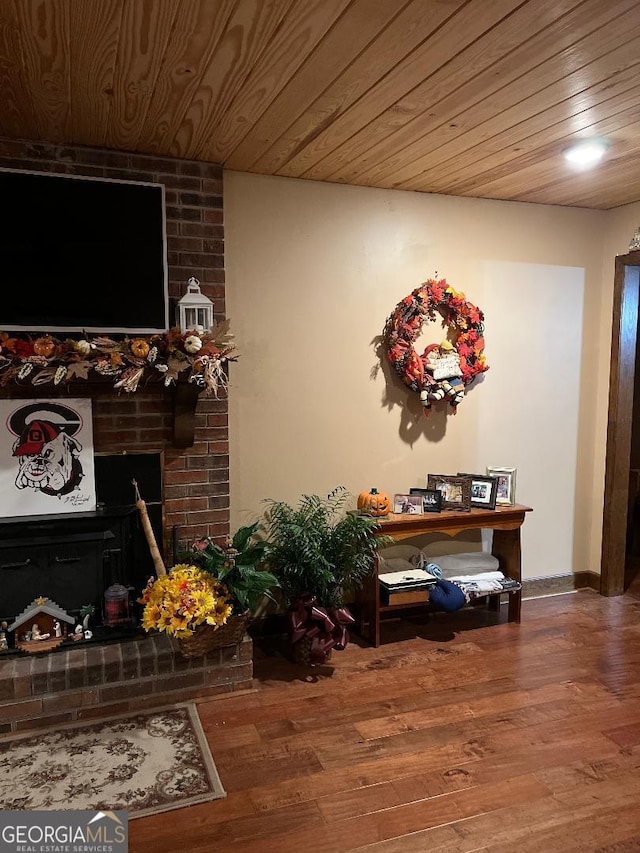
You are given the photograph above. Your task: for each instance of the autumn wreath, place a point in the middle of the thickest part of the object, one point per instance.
(443, 370)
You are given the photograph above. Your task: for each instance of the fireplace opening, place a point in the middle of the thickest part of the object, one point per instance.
(74, 558)
(115, 474)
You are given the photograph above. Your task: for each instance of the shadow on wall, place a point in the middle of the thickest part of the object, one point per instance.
(414, 424)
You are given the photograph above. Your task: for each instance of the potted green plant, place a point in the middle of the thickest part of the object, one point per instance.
(320, 554)
(239, 566)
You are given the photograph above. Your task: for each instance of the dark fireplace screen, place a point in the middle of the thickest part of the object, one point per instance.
(72, 559)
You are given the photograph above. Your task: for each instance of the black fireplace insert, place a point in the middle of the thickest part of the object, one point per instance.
(73, 558)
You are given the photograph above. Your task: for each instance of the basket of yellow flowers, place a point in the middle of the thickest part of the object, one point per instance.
(191, 605)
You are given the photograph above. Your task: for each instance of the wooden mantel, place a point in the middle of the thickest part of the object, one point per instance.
(185, 400)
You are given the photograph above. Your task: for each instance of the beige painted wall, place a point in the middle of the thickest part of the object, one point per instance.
(313, 271)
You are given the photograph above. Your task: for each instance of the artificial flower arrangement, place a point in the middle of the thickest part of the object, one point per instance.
(444, 370)
(47, 360)
(183, 599)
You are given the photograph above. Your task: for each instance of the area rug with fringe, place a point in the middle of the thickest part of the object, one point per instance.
(144, 762)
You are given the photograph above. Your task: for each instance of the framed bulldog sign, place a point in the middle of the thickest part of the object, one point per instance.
(46, 457)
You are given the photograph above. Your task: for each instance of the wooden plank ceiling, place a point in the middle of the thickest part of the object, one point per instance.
(465, 97)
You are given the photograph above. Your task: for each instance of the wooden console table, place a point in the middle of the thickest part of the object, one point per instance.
(505, 521)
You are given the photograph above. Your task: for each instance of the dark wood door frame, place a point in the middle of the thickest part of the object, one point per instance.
(621, 386)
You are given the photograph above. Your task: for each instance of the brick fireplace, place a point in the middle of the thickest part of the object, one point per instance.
(195, 479)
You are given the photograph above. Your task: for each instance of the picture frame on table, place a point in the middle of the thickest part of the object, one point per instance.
(455, 491)
(506, 477)
(431, 499)
(407, 504)
(484, 490)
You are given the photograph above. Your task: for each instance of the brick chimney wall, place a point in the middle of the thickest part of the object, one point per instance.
(196, 480)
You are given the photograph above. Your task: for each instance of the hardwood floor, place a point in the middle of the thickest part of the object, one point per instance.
(465, 733)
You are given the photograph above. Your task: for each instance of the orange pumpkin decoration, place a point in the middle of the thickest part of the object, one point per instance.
(44, 346)
(374, 503)
(140, 348)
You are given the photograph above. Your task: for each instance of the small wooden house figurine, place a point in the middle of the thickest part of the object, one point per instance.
(42, 626)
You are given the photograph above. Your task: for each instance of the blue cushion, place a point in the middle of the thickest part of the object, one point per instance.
(447, 596)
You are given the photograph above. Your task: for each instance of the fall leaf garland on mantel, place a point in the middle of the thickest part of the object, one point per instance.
(442, 371)
(44, 359)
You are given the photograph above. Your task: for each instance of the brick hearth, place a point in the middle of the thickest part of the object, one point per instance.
(101, 680)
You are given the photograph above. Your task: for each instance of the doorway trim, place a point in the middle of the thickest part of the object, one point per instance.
(624, 338)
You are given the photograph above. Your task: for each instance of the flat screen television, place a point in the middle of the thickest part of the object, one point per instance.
(82, 254)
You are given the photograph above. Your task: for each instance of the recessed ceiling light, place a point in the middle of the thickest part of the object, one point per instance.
(585, 154)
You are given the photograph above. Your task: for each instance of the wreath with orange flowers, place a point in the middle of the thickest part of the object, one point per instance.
(442, 371)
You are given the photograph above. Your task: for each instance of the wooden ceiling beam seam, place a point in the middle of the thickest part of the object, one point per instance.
(475, 98)
(605, 100)
(297, 35)
(44, 30)
(455, 85)
(360, 27)
(443, 44)
(551, 142)
(464, 120)
(190, 52)
(401, 37)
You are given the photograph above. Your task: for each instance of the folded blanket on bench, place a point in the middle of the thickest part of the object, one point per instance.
(488, 581)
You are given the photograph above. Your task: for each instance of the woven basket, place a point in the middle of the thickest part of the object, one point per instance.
(206, 638)
(302, 652)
